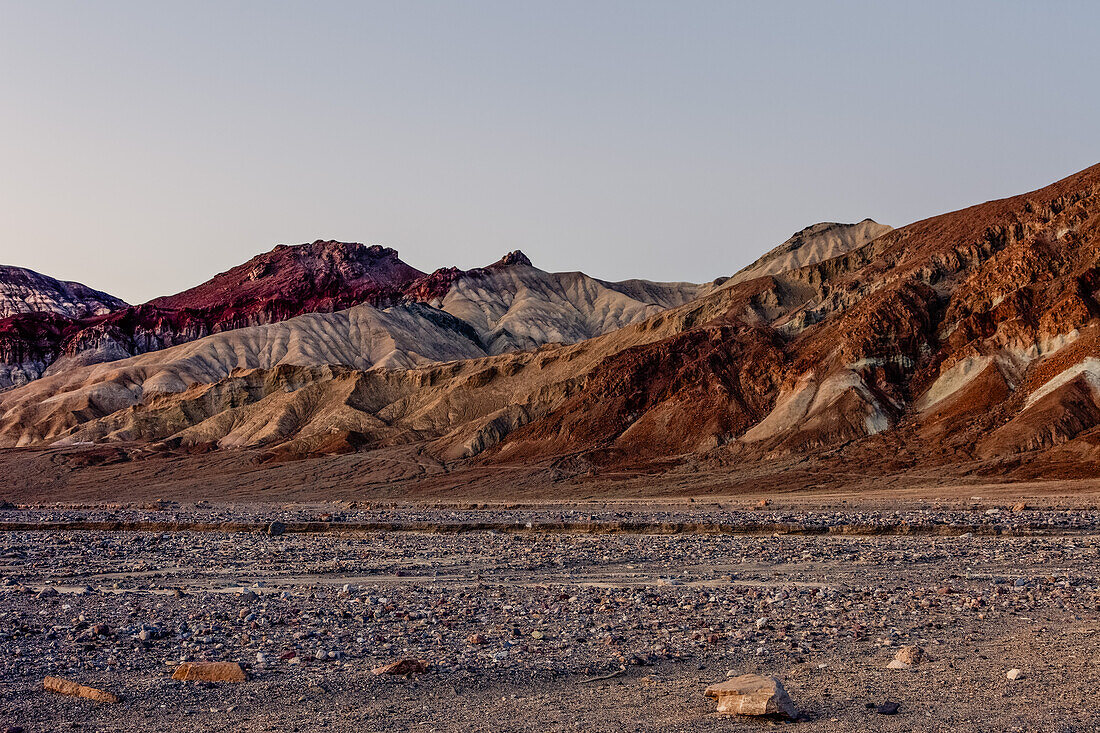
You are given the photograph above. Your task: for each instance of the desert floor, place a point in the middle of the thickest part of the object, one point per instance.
(555, 616)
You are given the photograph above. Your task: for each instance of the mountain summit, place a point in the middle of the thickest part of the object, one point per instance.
(813, 244)
(294, 279)
(27, 291)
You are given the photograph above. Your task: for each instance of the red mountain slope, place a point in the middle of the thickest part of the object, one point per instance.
(976, 329)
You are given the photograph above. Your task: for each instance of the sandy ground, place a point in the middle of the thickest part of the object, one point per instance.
(121, 473)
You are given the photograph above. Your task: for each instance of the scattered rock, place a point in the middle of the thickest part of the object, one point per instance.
(752, 694)
(907, 658)
(403, 667)
(68, 687)
(209, 672)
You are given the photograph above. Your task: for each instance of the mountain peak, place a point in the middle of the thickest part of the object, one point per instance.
(302, 274)
(332, 248)
(515, 257)
(815, 243)
(26, 291)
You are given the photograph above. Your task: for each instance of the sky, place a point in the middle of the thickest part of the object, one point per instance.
(146, 146)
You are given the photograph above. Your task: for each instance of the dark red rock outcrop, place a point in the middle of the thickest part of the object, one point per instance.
(289, 280)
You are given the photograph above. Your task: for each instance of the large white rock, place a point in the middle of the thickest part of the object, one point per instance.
(752, 694)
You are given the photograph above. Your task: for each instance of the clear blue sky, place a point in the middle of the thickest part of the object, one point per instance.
(145, 146)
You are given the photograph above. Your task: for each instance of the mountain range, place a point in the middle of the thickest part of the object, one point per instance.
(506, 306)
(966, 342)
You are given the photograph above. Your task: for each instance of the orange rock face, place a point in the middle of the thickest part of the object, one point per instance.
(73, 689)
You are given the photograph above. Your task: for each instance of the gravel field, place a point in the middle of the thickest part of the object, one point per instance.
(617, 627)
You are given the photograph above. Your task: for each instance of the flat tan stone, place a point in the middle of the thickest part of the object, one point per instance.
(68, 687)
(209, 672)
(751, 694)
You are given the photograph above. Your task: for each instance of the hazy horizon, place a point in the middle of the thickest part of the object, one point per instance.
(148, 147)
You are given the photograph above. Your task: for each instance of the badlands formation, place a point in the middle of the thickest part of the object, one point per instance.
(403, 320)
(963, 344)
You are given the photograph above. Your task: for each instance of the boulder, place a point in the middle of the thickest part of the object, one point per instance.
(752, 694)
(403, 667)
(1014, 674)
(209, 672)
(68, 687)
